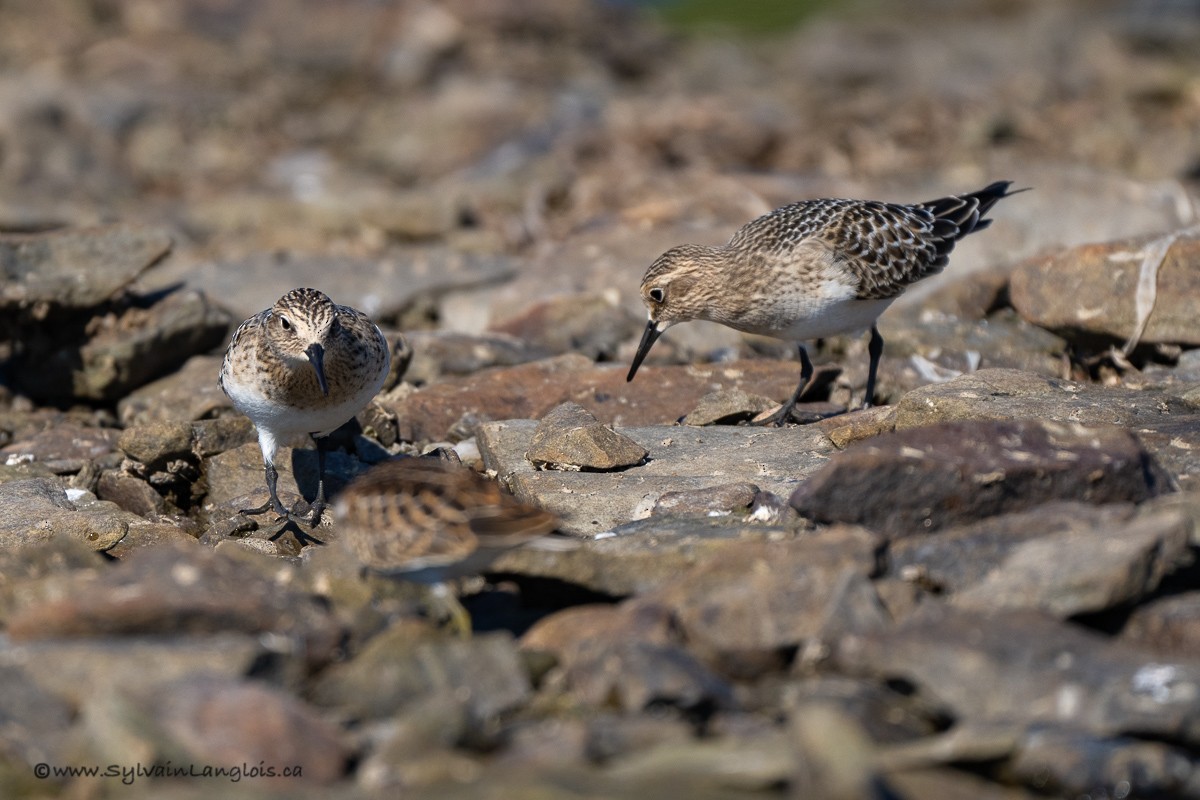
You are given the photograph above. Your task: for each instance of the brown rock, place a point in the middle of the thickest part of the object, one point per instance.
(925, 479)
(591, 324)
(67, 446)
(728, 407)
(189, 393)
(130, 493)
(569, 437)
(719, 500)
(528, 391)
(1090, 291)
(38, 509)
(1168, 625)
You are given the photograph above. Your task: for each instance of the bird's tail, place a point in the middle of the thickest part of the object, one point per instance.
(958, 215)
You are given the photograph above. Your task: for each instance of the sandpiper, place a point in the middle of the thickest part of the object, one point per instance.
(811, 269)
(304, 366)
(426, 521)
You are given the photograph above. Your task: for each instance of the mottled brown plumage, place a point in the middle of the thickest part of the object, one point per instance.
(304, 366)
(811, 269)
(427, 521)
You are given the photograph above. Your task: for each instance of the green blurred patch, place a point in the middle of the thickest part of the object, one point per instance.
(749, 16)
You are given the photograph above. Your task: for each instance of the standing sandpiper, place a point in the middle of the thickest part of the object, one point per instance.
(811, 269)
(304, 366)
(425, 521)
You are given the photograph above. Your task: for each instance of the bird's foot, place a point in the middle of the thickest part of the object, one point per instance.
(780, 417)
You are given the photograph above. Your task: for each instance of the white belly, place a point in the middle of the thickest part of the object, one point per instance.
(811, 312)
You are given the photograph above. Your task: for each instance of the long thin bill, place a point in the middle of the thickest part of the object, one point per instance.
(316, 357)
(649, 337)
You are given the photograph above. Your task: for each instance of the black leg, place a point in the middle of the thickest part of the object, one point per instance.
(875, 349)
(272, 487)
(318, 505)
(806, 372)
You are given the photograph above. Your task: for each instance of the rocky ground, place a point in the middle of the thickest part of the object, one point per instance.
(986, 588)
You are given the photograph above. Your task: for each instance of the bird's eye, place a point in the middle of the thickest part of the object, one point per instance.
(657, 294)
(283, 321)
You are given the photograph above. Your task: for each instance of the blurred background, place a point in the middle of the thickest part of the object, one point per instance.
(444, 164)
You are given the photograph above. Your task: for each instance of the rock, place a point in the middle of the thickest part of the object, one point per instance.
(591, 324)
(1167, 625)
(404, 279)
(925, 479)
(130, 494)
(728, 407)
(1013, 666)
(155, 444)
(38, 509)
(1089, 292)
(189, 393)
(754, 763)
(739, 609)
(680, 459)
(711, 501)
(65, 448)
(226, 722)
(80, 670)
(1082, 571)
(1075, 764)
(639, 556)
(235, 477)
(173, 590)
(845, 429)
(122, 349)
(393, 672)
(888, 716)
(76, 269)
(33, 722)
(569, 437)
(958, 558)
(836, 759)
(528, 391)
(438, 354)
(1010, 394)
(625, 656)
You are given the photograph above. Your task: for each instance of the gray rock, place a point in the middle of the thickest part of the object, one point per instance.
(484, 675)
(925, 479)
(221, 721)
(591, 324)
(130, 493)
(64, 448)
(1073, 764)
(1011, 394)
(959, 557)
(1082, 571)
(38, 509)
(681, 459)
(728, 407)
(189, 393)
(33, 721)
(438, 354)
(155, 444)
(76, 269)
(1023, 667)
(174, 590)
(638, 556)
(569, 437)
(1089, 292)
(1168, 625)
(711, 501)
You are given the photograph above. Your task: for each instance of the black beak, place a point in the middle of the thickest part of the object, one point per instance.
(648, 339)
(316, 357)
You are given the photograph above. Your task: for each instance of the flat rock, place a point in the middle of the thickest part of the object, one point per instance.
(1090, 291)
(67, 446)
(235, 477)
(569, 437)
(1012, 394)
(710, 501)
(1023, 667)
(659, 395)
(924, 479)
(681, 458)
(639, 556)
(76, 269)
(1084, 571)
